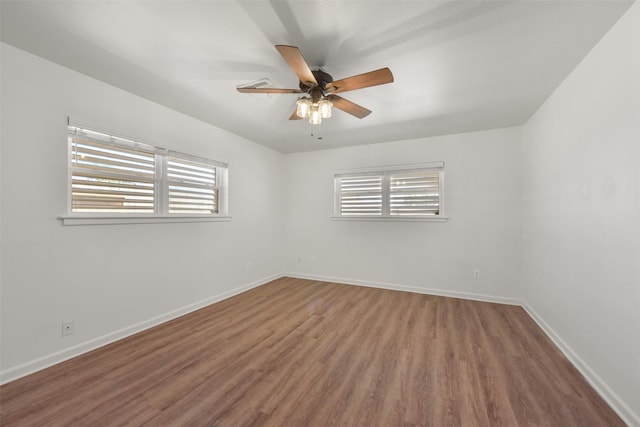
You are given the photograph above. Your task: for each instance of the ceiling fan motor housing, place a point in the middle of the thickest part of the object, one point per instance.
(321, 77)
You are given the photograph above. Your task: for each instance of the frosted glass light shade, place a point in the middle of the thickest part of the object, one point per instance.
(324, 107)
(304, 107)
(314, 116)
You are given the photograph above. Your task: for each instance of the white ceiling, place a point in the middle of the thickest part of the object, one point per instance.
(459, 66)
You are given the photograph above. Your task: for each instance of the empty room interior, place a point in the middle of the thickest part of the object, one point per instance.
(292, 213)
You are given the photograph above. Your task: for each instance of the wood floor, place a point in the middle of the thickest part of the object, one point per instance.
(304, 353)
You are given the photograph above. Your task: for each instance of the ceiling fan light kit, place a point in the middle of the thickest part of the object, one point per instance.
(321, 89)
(314, 111)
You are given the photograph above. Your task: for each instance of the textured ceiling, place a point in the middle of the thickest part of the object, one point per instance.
(459, 66)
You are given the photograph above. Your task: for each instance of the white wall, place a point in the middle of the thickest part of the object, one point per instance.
(581, 215)
(482, 196)
(112, 280)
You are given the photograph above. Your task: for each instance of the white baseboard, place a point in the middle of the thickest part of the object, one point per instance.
(394, 287)
(617, 404)
(68, 353)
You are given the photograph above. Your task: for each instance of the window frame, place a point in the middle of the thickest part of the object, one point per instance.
(161, 181)
(386, 172)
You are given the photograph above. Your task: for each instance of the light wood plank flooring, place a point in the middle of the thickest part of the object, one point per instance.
(303, 353)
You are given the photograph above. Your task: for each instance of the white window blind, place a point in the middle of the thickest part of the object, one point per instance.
(414, 193)
(360, 195)
(111, 176)
(192, 186)
(407, 192)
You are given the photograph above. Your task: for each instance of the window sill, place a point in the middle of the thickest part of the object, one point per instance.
(101, 220)
(390, 218)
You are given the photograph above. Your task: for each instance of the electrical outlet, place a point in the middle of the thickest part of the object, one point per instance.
(476, 274)
(67, 327)
(247, 265)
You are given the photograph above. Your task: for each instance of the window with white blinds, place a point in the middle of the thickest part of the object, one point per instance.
(360, 195)
(414, 193)
(111, 176)
(191, 186)
(406, 192)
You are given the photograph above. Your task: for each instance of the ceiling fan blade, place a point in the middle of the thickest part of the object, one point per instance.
(266, 90)
(294, 58)
(295, 116)
(348, 106)
(372, 78)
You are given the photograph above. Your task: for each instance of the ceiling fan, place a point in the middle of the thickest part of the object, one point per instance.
(320, 89)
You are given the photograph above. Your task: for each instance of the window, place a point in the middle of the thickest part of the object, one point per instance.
(404, 192)
(115, 177)
(191, 185)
